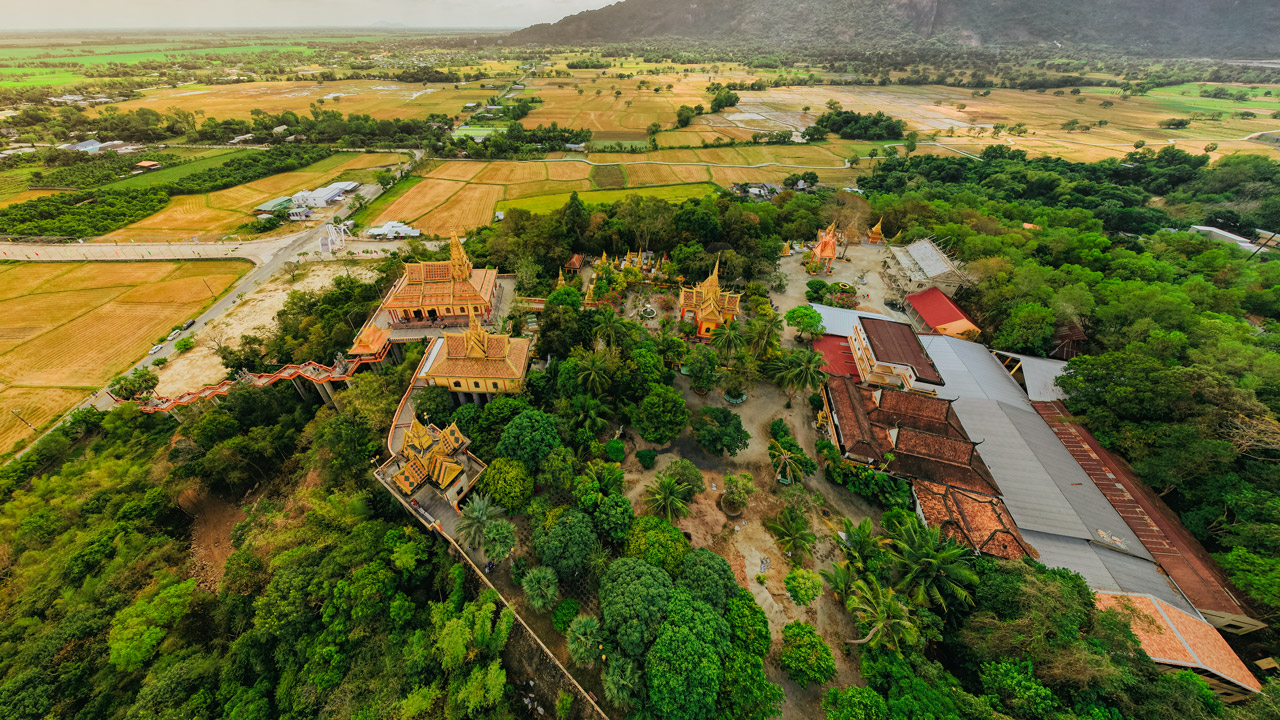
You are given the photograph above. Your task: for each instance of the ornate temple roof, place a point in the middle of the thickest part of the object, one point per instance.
(444, 282)
(435, 456)
(479, 354)
(708, 300)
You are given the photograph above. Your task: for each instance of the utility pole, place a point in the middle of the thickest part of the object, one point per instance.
(24, 422)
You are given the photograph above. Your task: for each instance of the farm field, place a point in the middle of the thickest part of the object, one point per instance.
(68, 328)
(176, 172)
(382, 99)
(548, 203)
(218, 213)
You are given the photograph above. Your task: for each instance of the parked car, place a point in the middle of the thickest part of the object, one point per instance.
(187, 325)
(154, 349)
(174, 334)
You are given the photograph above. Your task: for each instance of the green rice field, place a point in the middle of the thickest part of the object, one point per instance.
(175, 172)
(548, 203)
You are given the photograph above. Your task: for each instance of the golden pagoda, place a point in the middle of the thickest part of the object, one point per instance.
(477, 364)
(706, 305)
(443, 290)
(875, 236)
(439, 458)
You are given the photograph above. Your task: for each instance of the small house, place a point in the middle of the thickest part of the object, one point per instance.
(280, 129)
(147, 165)
(394, 229)
(280, 203)
(299, 214)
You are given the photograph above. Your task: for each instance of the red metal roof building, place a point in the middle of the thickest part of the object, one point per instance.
(939, 313)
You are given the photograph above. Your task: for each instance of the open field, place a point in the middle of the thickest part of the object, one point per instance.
(221, 212)
(470, 207)
(421, 198)
(382, 99)
(177, 172)
(548, 203)
(68, 328)
(26, 195)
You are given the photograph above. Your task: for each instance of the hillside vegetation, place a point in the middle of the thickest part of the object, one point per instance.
(1157, 26)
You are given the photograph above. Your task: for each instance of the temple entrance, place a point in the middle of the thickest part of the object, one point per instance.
(431, 313)
(417, 314)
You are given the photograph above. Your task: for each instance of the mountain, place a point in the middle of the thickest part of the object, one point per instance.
(1227, 28)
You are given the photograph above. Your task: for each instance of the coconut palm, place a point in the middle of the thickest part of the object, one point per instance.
(541, 587)
(887, 618)
(786, 464)
(583, 641)
(587, 411)
(479, 511)
(763, 332)
(666, 498)
(608, 476)
(609, 326)
(860, 542)
(623, 682)
(799, 370)
(841, 578)
(595, 372)
(794, 534)
(931, 570)
(728, 339)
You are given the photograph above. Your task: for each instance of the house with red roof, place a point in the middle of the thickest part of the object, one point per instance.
(936, 312)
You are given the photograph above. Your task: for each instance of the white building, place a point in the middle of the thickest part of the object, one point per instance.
(394, 229)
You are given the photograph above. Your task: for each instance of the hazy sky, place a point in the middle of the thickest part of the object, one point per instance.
(142, 14)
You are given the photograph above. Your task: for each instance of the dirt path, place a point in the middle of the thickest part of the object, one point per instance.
(210, 534)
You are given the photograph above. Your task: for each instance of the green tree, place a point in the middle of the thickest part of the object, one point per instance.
(662, 415)
(139, 382)
(719, 430)
(748, 625)
(745, 691)
(613, 518)
(541, 588)
(887, 618)
(657, 542)
(931, 571)
(507, 483)
(708, 578)
(704, 368)
(1028, 330)
(136, 631)
(499, 540)
(805, 657)
(476, 516)
(567, 545)
(667, 498)
(634, 595)
(799, 370)
(804, 586)
(434, 403)
(728, 339)
(854, 703)
(794, 533)
(529, 438)
(805, 321)
(584, 641)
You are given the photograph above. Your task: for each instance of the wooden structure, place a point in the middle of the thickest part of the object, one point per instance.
(921, 265)
(476, 364)
(706, 305)
(447, 290)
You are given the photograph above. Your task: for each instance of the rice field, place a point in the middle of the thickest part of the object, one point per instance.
(549, 203)
(66, 329)
(471, 207)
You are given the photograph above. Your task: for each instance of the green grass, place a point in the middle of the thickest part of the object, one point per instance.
(42, 77)
(134, 57)
(175, 172)
(548, 203)
(367, 214)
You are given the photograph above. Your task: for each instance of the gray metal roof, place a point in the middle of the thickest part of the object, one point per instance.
(839, 321)
(969, 370)
(1038, 375)
(1105, 569)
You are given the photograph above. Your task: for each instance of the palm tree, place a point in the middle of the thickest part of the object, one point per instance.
(541, 587)
(889, 620)
(799, 370)
(608, 476)
(728, 339)
(594, 372)
(793, 532)
(609, 326)
(587, 411)
(841, 578)
(860, 542)
(931, 570)
(666, 499)
(479, 511)
(622, 682)
(764, 331)
(786, 464)
(583, 641)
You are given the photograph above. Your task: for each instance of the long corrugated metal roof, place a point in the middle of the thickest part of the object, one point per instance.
(1038, 374)
(1105, 569)
(968, 370)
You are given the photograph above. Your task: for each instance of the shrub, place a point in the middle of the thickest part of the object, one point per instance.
(805, 656)
(519, 567)
(564, 614)
(184, 344)
(854, 703)
(815, 402)
(541, 587)
(804, 586)
(564, 705)
(615, 450)
(647, 458)
(158, 362)
(778, 429)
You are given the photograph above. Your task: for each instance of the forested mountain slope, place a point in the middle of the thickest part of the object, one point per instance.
(1227, 28)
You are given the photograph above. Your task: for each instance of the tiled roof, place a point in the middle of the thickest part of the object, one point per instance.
(479, 355)
(1173, 637)
(839, 356)
(976, 520)
(575, 262)
(895, 342)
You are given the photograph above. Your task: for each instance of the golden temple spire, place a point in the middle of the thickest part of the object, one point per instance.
(560, 280)
(459, 263)
(477, 338)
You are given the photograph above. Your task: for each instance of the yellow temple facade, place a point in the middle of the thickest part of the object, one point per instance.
(444, 291)
(437, 458)
(476, 364)
(707, 306)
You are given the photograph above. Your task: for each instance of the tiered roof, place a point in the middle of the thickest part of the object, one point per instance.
(708, 300)
(435, 456)
(826, 248)
(478, 354)
(445, 282)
